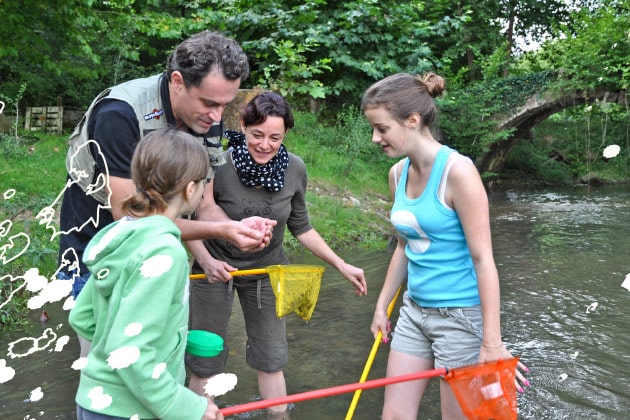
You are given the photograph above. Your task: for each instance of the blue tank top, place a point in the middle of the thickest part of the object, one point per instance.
(440, 269)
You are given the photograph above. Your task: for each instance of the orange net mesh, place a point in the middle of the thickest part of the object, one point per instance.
(486, 391)
(296, 288)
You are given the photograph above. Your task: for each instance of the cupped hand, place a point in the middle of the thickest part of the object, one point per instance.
(262, 225)
(244, 237)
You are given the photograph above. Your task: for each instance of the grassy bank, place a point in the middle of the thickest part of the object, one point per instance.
(348, 196)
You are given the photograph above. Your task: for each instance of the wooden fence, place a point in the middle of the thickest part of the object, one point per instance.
(48, 119)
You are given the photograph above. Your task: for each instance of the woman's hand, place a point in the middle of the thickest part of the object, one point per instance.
(381, 323)
(356, 277)
(262, 225)
(216, 270)
(499, 352)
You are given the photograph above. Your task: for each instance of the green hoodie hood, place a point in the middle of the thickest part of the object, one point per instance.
(111, 249)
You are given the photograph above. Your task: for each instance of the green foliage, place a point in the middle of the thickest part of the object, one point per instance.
(593, 51)
(369, 39)
(68, 53)
(13, 101)
(480, 40)
(349, 137)
(468, 116)
(464, 34)
(340, 47)
(570, 144)
(492, 66)
(292, 75)
(341, 149)
(39, 44)
(342, 163)
(530, 163)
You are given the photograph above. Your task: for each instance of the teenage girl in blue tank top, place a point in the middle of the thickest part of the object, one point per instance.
(450, 316)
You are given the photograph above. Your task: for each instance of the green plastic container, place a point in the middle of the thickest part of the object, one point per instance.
(203, 343)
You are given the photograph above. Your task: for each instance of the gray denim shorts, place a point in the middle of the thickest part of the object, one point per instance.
(210, 309)
(451, 337)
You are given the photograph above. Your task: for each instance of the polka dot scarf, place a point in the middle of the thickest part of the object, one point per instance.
(269, 176)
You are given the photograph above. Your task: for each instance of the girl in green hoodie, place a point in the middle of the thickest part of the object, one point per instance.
(134, 307)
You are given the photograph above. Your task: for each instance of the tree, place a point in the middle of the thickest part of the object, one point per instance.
(321, 48)
(593, 50)
(483, 44)
(68, 51)
(41, 43)
(530, 20)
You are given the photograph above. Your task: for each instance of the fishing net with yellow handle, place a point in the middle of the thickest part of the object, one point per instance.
(295, 286)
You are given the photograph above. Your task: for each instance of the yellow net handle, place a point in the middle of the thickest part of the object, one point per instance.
(249, 272)
(370, 360)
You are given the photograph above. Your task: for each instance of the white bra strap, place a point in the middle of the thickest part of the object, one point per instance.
(452, 159)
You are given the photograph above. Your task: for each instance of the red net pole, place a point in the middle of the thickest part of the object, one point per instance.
(327, 392)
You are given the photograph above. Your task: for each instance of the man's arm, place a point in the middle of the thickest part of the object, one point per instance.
(249, 234)
(120, 189)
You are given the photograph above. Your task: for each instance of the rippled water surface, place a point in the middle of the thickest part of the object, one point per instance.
(562, 256)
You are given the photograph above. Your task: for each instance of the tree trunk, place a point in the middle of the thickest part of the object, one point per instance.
(510, 42)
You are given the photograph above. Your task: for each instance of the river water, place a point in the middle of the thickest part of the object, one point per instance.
(562, 257)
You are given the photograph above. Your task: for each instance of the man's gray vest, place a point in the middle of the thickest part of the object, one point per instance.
(144, 97)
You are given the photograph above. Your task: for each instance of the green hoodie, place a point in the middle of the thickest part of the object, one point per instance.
(134, 310)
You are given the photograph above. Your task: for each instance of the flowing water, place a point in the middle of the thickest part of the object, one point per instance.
(562, 256)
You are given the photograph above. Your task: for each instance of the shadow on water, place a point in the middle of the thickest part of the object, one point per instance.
(562, 256)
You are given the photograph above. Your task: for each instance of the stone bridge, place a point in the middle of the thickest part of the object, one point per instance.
(535, 110)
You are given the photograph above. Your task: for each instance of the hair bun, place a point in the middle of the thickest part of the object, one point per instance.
(435, 84)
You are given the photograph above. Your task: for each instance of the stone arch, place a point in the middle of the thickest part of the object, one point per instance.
(535, 110)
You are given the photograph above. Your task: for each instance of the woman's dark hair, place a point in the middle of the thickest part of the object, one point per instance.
(267, 104)
(208, 52)
(403, 94)
(163, 164)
